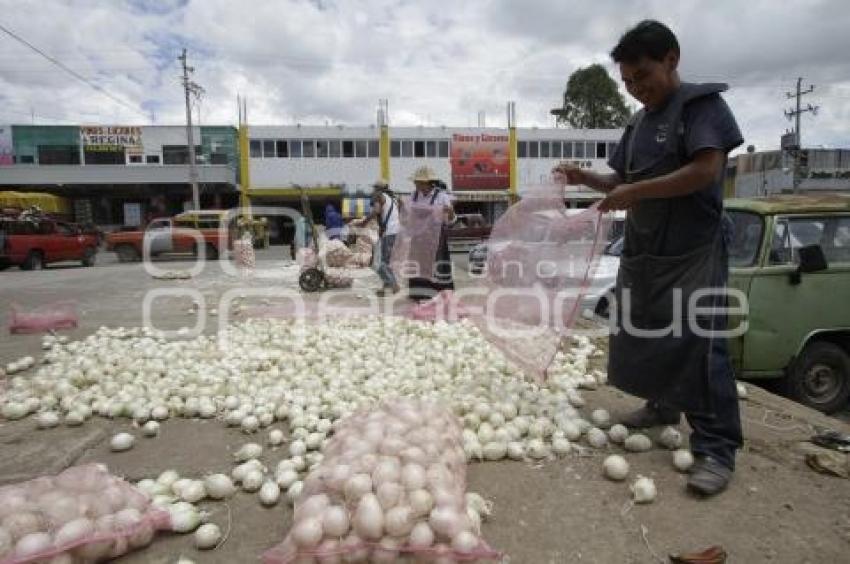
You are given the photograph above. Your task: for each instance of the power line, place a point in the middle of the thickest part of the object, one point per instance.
(70, 71)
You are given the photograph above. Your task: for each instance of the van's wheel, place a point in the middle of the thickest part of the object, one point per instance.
(89, 256)
(34, 261)
(311, 280)
(127, 253)
(820, 377)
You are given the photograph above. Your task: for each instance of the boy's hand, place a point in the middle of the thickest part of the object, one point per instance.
(568, 173)
(623, 197)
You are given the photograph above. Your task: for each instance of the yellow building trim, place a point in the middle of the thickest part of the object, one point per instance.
(244, 171)
(294, 192)
(384, 152)
(512, 154)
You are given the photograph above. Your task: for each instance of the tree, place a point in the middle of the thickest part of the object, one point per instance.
(592, 101)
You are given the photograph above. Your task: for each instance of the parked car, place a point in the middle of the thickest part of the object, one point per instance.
(32, 243)
(791, 257)
(179, 234)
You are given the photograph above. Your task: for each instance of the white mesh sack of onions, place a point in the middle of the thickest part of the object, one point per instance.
(391, 488)
(83, 514)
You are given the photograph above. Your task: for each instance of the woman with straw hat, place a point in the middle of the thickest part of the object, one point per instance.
(430, 191)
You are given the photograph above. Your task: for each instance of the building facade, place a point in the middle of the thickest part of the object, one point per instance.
(772, 172)
(120, 175)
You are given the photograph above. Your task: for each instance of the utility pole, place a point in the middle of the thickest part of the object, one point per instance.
(795, 113)
(190, 87)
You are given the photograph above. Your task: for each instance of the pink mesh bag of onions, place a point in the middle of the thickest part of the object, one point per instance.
(415, 249)
(57, 315)
(391, 488)
(540, 265)
(84, 514)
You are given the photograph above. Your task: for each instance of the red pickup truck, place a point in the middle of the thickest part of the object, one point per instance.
(33, 243)
(180, 234)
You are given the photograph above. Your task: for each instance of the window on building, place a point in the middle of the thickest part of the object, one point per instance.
(443, 149)
(557, 153)
(58, 154)
(269, 149)
(361, 148)
(522, 150)
(152, 159)
(431, 149)
(544, 149)
(568, 149)
(309, 149)
(282, 148)
(114, 157)
(26, 159)
(533, 149)
(322, 148)
(578, 150)
(136, 159)
(407, 149)
(419, 149)
(374, 149)
(295, 148)
(172, 154)
(219, 158)
(395, 149)
(334, 149)
(256, 149)
(590, 150)
(348, 149)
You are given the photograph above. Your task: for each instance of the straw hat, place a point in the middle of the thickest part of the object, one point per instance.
(424, 174)
(381, 184)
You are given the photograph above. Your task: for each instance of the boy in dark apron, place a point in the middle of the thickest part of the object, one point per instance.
(669, 168)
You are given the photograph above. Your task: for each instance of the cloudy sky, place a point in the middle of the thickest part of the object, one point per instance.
(438, 62)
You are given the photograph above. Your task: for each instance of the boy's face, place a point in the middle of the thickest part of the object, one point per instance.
(651, 82)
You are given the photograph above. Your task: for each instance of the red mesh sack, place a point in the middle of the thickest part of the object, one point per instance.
(49, 317)
(403, 459)
(84, 512)
(415, 249)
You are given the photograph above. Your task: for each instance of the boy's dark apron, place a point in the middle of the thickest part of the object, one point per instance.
(671, 368)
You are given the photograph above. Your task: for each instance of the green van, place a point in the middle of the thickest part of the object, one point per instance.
(790, 256)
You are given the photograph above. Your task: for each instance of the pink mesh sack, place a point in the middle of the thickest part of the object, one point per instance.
(392, 485)
(415, 249)
(444, 306)
(540, 263)
(49, 317)
(84, 512)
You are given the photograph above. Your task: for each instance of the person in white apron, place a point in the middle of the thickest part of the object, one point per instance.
(430, 191)
(669, 168)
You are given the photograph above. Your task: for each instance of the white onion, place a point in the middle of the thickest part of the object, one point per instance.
(252, 481)
(495, 451)
(276, 437)
(683, 460)
(248, 451)
(398, 521)
(445, 521)
(643, 490)
(193, 491)
(615, 467)
(637, 443)
(670, 438)
(73, 531)
(150, 429)
(389, 494)
(618, 433)
(596, 437)
(48, 420)
(219, 486)
(421, 502)
(207, 536)
(269, 493)
(32, 544)
(122, 442)
(368, 521)
(335, 521)
(601, 418)
(464, 542)
(421, 536)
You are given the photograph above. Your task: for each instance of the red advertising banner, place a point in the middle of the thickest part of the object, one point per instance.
(480, 161)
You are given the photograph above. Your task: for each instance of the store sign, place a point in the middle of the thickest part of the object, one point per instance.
(480, 161)
(112, 138)
(7, 149)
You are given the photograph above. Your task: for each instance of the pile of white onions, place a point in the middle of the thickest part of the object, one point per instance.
(306, 376)
(64, 512)
(392, 482)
